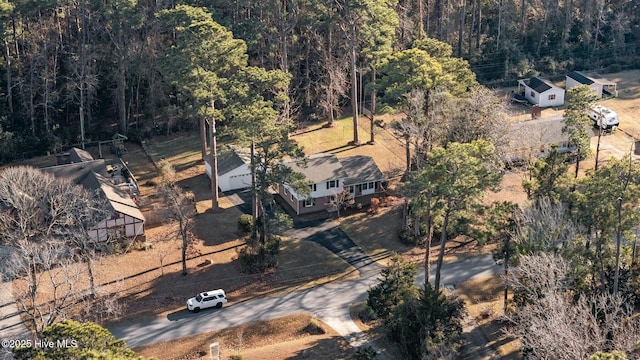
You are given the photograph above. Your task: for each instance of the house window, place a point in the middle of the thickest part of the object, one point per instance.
(533, 94)
(313, 187)
(291, 196)
(332, 184)
(309, 202)
(352, 189)
(286, 192)
(369, 186)
(331, 198)
(552, 97)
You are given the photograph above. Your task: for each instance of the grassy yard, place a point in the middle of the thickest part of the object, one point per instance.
(388, 151)
(484, 301)
(292, 337)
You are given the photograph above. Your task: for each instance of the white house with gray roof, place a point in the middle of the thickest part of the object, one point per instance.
(598, 86)
(541, 92)
(329, 176)
(233, 168)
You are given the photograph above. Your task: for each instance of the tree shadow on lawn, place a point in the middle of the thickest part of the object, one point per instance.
(172, 290)
(335, 347)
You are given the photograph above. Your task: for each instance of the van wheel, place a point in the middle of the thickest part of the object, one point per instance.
(218, 305)
(195, 310)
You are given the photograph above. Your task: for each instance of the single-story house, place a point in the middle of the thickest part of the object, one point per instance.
(233, 168)
(541, 92)
(127, 219)
(576, 78)
(328, 177)
(534, 139)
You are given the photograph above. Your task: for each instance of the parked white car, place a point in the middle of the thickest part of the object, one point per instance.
(213, 298)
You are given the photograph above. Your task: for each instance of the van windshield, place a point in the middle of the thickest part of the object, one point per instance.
(198, 298)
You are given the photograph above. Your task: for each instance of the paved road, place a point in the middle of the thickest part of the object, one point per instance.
(328, 302)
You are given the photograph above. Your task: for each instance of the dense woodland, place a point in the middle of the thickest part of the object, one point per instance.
(77, 72)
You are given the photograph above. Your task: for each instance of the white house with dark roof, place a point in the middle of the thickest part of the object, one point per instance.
(541, 92)
(598, 86)
(233, 168)
(329, 176)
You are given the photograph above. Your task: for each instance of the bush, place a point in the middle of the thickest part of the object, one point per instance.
(259, 258)
(396, 283)
(367, 314)
(385, 109)
(365, 353)
(375, 205)
(407, 237)
(245, 223)
(314, 327)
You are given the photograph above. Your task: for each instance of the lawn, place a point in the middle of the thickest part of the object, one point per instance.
(483, 298)
(388, 151)
(138, 277)
(291, 337)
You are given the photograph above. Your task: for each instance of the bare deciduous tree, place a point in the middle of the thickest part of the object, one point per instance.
(180, 206)
(46, 221)
(47, 281)
(553, 324)
(544, 226)
(340, 200)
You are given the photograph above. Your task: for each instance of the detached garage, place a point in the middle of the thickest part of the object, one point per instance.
(233, 168)
(541, 92)
(600, 87)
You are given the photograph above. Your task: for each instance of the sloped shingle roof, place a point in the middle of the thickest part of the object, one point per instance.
(319, 168)
(231, 158)
(78, 155)
(538, 85)
(539, 132)
(118, 198)
(361, 169)
(92, 175)
(79, 173)
(581, 78)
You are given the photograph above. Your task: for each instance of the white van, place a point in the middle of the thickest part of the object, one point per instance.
(603, 117)
(213, 298)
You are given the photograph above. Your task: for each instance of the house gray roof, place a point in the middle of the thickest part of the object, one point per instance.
(78, 155)
(360, 169)
(79, 173)
(581, 78)
(319, 168)
(538, 85)
(92, 175)
(540, 132)
(230, 158)
(119, 198)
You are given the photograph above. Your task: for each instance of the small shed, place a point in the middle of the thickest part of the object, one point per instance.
(599, 87)
(541, 92)
(233, 168)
